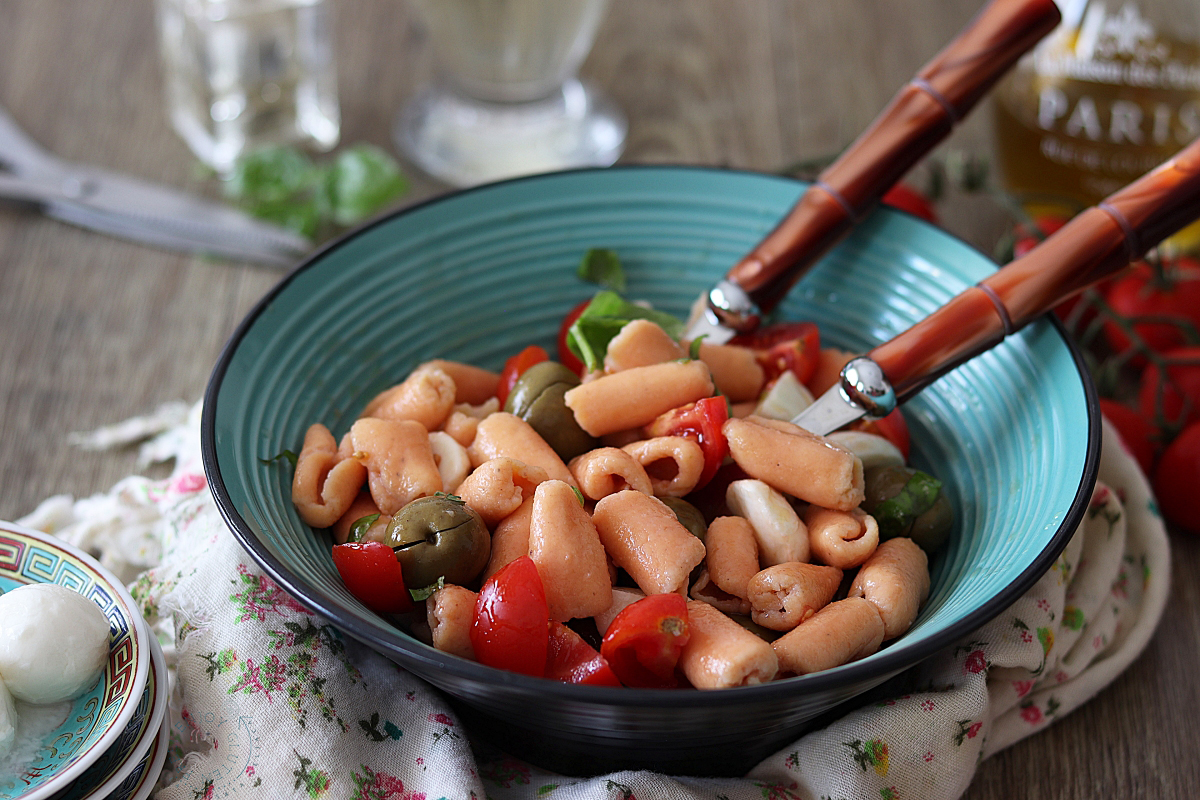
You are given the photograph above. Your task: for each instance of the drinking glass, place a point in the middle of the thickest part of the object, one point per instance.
(506, 99)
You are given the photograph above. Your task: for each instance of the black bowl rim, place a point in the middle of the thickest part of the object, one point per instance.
(395, 645)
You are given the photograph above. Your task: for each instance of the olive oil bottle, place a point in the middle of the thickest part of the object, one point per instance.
(1108, 95)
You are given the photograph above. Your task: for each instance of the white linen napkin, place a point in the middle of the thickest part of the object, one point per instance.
(270, 700)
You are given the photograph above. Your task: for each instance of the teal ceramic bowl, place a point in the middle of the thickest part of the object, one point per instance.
(74, 737)
(475, 276)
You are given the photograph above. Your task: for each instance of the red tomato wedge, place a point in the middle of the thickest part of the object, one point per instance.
(891, 427)
(372, 574)
(511, 627)
(644, 641)
(516, 365)
(565, 356)
(701, 422)
(572, 660)
(785, 347)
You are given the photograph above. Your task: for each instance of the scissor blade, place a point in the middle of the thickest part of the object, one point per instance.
(209, 225)
(831, 411)
(122, 227)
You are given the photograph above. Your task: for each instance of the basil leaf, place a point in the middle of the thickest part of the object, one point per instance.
(896, 514)
(602, 267)
(578, 496)
(362, 180)
(694, 347)
(286, 455)
(360, 527)
(588, 336)
(423, 594)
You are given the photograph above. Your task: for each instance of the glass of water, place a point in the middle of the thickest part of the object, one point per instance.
(506, 100)
(244, 73)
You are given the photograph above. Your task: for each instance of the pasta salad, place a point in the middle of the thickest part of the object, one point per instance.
(635, 511)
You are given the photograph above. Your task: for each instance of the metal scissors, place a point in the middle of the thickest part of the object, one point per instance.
(132, 208)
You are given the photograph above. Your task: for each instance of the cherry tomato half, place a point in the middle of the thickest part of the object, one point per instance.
(644, 641)
(517, 364)
(511, 626)
(1176, 478)
(572, 660)
(783, 347)
(565, 356)
(701, 422)
(372, 574)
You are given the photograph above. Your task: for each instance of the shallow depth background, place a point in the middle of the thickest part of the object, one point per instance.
(95, 330)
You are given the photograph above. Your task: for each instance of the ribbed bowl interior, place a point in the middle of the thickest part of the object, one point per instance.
(478, 275)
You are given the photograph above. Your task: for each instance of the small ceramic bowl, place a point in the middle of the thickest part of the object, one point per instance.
(83, 731)
(476, 276)
(126, 764)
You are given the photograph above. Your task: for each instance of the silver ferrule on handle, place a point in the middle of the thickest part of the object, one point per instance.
(730, 306)
(865, 385)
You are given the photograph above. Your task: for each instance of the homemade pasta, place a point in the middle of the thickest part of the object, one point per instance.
(737, 542)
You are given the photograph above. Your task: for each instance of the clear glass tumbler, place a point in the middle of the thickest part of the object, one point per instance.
(506, 100)
(244, 73)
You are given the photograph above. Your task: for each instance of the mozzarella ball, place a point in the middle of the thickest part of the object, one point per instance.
(53, 643)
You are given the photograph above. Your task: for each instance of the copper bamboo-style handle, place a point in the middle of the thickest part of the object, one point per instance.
(919, 117)
(1094, 245)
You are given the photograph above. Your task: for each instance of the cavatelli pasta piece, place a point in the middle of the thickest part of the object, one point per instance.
(645, 538)
(399, 461)
(324, 484)
(510, 540)
(472, 384)
(735, 370)
(362, 507)
(507, 435)
(566, 548)
(640, 343)
(634, 397)
(450, 612)
(842, 539)
(731, 555)
(841, 632)
(895, 579)
(721, 654)
(607, 470)
(426, 396)
(704, 590)
(796, 462)
(673, 464)
(497, 487)
(785, 595)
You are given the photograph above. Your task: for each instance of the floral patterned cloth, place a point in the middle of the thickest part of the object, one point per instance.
(270, 700)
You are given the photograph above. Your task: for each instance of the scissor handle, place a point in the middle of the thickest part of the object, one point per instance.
(1092, 246)
(922, 114)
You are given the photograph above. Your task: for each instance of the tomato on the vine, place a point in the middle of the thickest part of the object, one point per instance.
(1165, 313)
(1175, 480)
(515, 365)
(511, 626)
(1137, 432)
(906, 198)
(643, 642)
(1177, 395)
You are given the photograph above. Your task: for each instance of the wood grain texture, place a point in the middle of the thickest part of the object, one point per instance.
(95, 330)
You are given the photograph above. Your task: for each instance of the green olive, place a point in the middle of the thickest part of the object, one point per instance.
(439, 537)
(537, 398)
(688, 515)
(908, 502)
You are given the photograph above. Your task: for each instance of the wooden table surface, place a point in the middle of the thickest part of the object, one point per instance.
(95, 330)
